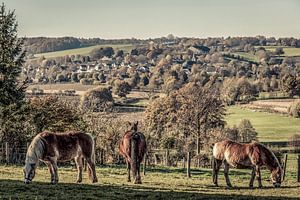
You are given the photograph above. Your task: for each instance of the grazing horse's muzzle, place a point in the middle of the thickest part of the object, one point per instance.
(27, 181)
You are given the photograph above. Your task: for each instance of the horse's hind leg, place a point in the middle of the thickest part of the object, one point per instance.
(258, 175)
(216, 164)
(138, 177)
(92, 170)
(252, 177)
(79, 165)
(128, 171)
(226, 174)
(53, 162)
(50, 168)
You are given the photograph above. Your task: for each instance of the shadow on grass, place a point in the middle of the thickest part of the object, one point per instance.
(13, 189)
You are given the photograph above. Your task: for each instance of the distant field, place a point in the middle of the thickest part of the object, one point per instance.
(288, 51)
(276, 105)
(62, 86)
(247, 56)
(85, 50)
(270, 126)
(159, 183)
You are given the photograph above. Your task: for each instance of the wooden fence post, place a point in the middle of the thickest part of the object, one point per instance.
(144, 165)
(7, 152)
(188, 165)
(284, 166)
(298, 175)
(167, 158)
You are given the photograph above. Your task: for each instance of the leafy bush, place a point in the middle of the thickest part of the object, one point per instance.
(98, 99)
(294, 109)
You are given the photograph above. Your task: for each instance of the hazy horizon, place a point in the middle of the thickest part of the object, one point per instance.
(117, 19)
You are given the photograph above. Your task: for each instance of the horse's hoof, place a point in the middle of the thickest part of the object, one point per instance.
(54, 182)
(95, 180)
(229, 187)
(260, 187)
(78, 181)
(128, 180)
(251, 187)
(137, 182)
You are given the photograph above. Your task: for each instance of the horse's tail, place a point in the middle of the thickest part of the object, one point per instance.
(134, 154)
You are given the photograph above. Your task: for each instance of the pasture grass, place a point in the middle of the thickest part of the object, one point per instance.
(159, 183)
(288, 51)
(85, 50)
(269, 126)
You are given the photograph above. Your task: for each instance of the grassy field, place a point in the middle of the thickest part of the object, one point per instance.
(84, 50)
(247, 56)
(159, 183)
(288, 51)
(270, 126)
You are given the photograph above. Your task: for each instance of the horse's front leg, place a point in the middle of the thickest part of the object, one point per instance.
(226, 174)
(258, 175)
(128, 171)
(252, 177)
(78, 161)
(53, 162)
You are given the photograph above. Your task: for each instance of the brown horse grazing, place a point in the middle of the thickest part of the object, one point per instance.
(252, 155)
(53, 147)
(133, 148)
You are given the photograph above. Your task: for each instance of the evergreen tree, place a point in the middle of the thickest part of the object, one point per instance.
(13, 118)
(11, 60)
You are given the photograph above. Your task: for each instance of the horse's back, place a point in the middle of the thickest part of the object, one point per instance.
(67, 144)
(219, 149)
(125, 144)
(236, 154)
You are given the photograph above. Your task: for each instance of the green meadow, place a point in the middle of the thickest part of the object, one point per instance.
(270, 126)
(85, 50)
(159, 183)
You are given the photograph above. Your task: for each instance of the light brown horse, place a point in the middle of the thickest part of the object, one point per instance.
(60, 147)
(133, 147)
(252, 155)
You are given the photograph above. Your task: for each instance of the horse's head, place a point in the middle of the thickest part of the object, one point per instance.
(29, 172)
(133, 126)
(276, 176)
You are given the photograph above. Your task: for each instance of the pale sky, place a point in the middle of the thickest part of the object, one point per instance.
(155, 18)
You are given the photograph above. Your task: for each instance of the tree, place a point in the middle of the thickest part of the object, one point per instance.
(11, 60)
(279, 51)
(13, 109)
(121, 88)
(290, 84)
(188, 114)
(246, 131)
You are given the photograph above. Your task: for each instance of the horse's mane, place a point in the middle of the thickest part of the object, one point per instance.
(35, 150)
(274, 163)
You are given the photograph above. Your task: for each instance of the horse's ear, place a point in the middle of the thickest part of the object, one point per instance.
(129, 124)
(136, 123)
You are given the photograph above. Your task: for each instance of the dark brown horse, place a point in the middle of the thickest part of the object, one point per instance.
(133, 148)
(60, 147)
(252, 155)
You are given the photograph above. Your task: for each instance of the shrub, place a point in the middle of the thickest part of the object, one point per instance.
(98, 99)
(53, 114)
(294, 142)
(86, 81)
(294, 109)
